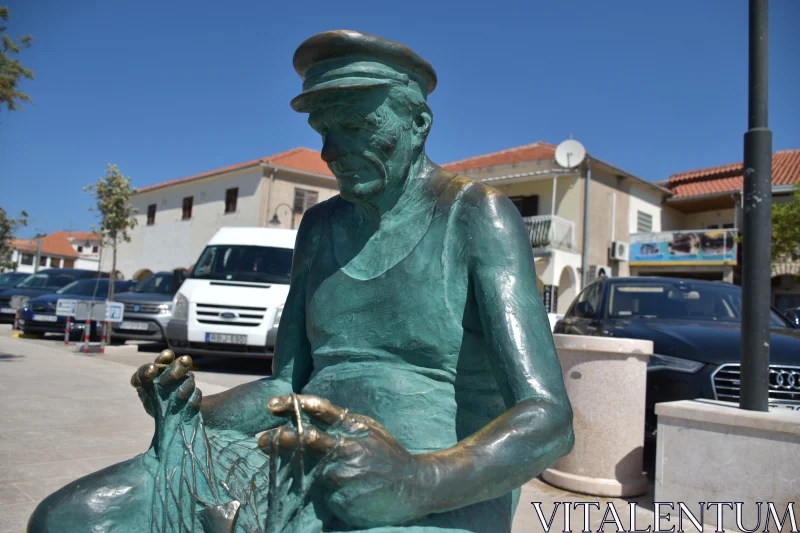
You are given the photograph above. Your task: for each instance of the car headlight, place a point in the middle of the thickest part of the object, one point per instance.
(666, 362)
(164, 308)
(278, 314)
(180, 307)
(19, 302)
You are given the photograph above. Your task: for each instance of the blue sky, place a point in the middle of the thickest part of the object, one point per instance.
(169, 89)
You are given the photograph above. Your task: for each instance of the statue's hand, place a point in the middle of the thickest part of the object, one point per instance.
(371, 479)
(166, 387)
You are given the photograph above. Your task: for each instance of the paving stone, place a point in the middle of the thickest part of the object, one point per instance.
(11, 495)
(14, 518)
(39, 489)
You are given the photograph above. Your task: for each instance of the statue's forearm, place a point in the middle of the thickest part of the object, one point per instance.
(507, 453)
(244, 408)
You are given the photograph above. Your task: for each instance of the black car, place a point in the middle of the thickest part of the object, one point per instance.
(43, 282)
(695, 329)
(793, 315)
(9, 280)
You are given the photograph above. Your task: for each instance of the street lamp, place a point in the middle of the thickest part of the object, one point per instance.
(275, 222)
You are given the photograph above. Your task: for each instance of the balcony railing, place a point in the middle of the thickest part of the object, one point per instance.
(549, 231)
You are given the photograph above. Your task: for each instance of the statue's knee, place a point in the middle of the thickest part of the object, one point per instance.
(104, 501)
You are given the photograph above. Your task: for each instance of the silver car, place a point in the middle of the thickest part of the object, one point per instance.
(148, 308)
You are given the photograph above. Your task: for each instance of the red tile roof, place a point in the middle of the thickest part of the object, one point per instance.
(55, 244)
(529, 152)
(303, 159)
(725, 178)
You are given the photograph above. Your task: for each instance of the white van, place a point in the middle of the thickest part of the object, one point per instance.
(231, 302)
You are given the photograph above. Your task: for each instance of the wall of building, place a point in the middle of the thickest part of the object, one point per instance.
(648, 201)
(603, 188)
(175, 243)
(567, 194)
(701, 220)
(279, 200)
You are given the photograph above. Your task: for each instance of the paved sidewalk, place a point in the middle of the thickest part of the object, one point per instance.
(65, 415)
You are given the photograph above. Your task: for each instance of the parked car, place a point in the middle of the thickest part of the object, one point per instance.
(39, 313)
(9, 280)
(44, 282)
(695, 329)
(793, 316)
(231, 302)
(148, 308)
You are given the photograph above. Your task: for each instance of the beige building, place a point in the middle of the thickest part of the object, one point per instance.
(177, 218)
(702, 220)
(551, 201)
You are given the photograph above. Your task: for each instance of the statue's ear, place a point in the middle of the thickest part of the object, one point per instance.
(422, 124)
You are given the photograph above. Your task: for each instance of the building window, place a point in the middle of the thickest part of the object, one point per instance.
(27, 259)
(187, 207)
(151, 214)
(729, 225)
(231, 196)
(69, 263)
(94, 249)
(303, 200)
(80, 249)
(712, 226)
(42, 260)
(528, 206)
(644, 222)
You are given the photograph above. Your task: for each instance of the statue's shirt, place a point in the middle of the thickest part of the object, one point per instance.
(394, 329)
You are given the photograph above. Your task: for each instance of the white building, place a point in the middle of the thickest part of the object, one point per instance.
(55, 252)
(177, 218)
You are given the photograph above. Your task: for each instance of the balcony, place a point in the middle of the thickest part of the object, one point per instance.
(549, 231)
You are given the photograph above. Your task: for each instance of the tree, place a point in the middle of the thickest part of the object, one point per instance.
(112, 195)
(8, 228)
(11, 70)
(786, 230)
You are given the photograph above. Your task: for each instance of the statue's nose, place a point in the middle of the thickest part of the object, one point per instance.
(331, 150)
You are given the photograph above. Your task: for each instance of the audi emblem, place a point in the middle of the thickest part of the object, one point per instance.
(785, 379)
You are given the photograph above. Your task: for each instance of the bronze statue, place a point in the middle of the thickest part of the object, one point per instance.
(415, 382)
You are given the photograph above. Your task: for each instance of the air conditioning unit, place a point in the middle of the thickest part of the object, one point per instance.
(599, 271)
(620, 251)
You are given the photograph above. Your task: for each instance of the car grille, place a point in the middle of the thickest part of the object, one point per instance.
(247, 317)
(147, 309)
(43, 308)
(5, 302)
(784, 383)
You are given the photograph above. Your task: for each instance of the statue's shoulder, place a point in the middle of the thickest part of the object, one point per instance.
(313, 220)
(474, 196)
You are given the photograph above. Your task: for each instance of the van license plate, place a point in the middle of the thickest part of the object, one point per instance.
(138, 326)
(8, 311)
(226, 338)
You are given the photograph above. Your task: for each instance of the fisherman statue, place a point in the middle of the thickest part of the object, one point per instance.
(415, 383)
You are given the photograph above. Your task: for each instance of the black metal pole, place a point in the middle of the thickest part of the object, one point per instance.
(756, 263)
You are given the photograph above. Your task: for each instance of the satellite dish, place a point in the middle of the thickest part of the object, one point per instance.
(570, 154)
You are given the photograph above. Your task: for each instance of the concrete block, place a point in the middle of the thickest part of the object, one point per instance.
(710, 451)
(605, 380)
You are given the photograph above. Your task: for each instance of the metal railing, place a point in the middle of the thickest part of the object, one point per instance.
(550, 231)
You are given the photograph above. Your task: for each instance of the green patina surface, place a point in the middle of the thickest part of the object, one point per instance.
(415, 383)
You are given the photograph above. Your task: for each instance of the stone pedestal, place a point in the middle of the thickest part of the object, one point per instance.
(605, 380)
(709, 451)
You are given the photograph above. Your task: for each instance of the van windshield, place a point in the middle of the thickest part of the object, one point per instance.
(261, 264)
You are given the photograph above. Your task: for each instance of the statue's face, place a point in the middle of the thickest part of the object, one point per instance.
(367, 143)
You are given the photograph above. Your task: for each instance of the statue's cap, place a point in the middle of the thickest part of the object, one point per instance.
(350, 60)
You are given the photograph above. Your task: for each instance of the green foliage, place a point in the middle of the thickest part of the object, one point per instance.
(11, 70)
(786, 230)
(112, 194)
(8, 228)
